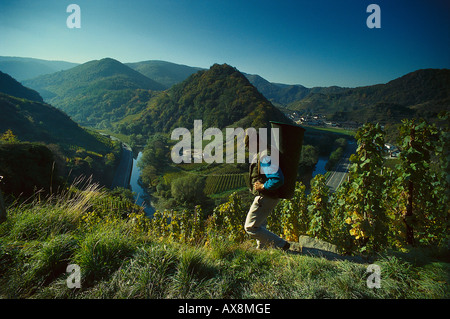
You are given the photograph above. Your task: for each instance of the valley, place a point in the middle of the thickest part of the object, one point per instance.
(142, 100)
(87, 176)
(224, 156)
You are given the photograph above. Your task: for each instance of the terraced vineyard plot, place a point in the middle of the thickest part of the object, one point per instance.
(220, 183)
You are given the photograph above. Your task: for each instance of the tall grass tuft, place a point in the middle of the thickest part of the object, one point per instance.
(56, 214)
(103, 251)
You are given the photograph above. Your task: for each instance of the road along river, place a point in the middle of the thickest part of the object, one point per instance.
(339, 173)
(123, 171)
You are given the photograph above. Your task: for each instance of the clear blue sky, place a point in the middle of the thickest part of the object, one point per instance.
(313, 43)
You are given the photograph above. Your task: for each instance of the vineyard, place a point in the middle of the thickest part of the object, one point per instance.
(180, 254)
(375, 209)
(220, 183)
(206, 253)
(217, 179)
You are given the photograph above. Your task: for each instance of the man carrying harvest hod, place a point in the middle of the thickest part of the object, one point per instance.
(264, 180)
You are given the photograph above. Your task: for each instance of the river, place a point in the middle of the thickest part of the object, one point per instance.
(320, 166)
(141, 198)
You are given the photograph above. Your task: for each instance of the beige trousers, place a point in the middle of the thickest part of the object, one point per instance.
(255, 223)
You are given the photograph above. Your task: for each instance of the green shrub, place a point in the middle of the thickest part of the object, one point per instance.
(50, 259)
(146, 275)
(103, 251)
(33, 222)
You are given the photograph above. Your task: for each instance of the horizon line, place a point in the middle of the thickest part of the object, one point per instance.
(203, 68)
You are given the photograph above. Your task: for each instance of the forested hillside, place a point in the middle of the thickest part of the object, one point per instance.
(101, 92)
(423, 93)
(10, 86)
(76, 151)
(220, 97)
(95, 91)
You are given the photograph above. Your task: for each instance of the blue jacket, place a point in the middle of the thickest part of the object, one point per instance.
(274, 180)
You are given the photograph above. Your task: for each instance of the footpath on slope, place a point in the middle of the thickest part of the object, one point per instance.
(309, 246)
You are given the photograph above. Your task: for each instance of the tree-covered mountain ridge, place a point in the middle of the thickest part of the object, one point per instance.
(422, 93)
(166, 73)
(9, 85)
(104, 91)
(417, 86)
(169, 73)
(220, 97)
(24, 112)
(104, 74)
(95, 91)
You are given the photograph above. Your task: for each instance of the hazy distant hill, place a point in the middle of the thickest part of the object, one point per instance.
(166, 73)
(278, 93)
(220, 96)
(95, 91)
(10, 86)
(284, 94)
(28, 68)
(104, 74)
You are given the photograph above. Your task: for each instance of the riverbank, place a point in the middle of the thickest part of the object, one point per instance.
(127, 175)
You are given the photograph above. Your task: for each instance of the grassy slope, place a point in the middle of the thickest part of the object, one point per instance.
(118, 259)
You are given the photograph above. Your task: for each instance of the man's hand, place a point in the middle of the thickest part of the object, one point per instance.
(258, 186)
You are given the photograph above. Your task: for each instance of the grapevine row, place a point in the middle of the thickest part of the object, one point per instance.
(219, 183)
